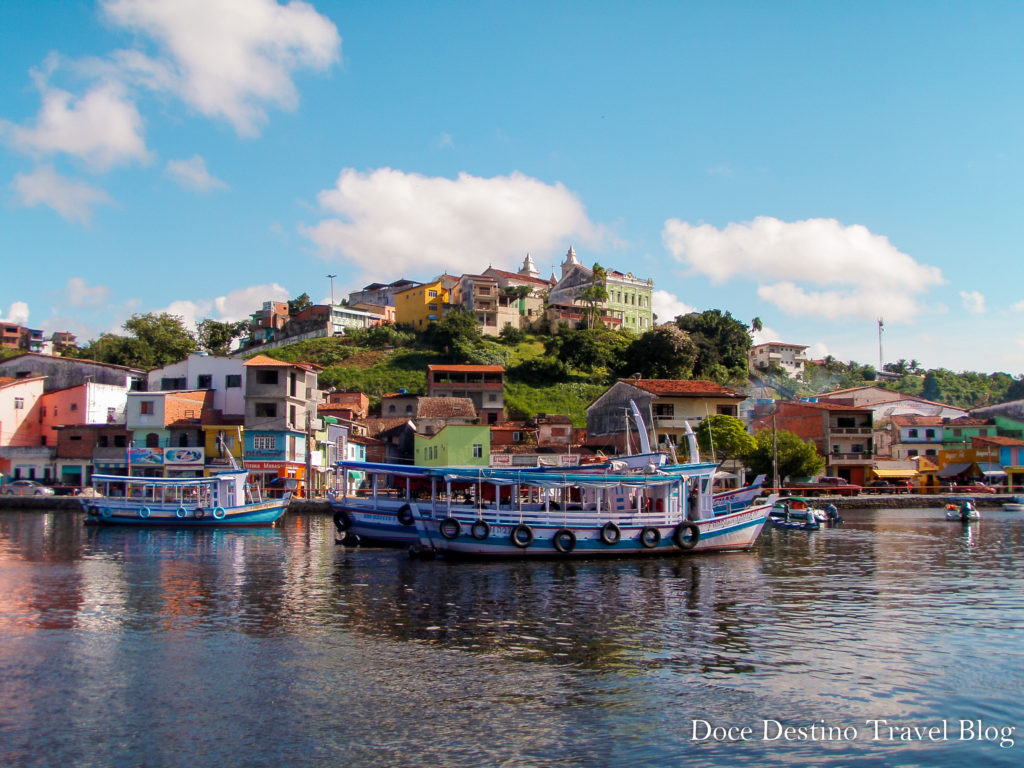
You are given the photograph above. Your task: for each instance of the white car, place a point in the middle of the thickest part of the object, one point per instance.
(25, 488)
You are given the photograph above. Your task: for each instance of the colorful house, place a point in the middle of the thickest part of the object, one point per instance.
(21, 455)
(168, 439)
(454, 446)
(421, 305)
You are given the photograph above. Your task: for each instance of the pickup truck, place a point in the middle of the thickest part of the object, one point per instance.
(824, 486)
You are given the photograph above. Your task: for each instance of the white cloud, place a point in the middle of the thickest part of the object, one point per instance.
(73, 200)
(18, 313)
(78, 293)
(973, 302)
(192, 174)
(667, 306)
(225, 58)
(817, 351)
(765, 335)
(102, 128)
(406, 221)
(1018, 306)
(817, 268)
(236, 305)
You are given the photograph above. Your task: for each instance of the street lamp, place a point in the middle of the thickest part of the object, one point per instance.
(332, 288)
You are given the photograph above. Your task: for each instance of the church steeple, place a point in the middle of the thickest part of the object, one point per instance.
(570, 261)
(529, 269)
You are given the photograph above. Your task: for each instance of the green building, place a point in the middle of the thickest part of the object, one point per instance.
(455, 446)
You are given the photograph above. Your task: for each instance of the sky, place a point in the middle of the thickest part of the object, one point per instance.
(819, 166)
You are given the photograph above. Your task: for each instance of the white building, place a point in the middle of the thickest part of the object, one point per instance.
(790, 357)
(224, 375)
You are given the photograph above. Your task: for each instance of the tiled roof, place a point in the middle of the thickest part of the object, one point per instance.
(517, 276)
(378, 426)
(681, 387)
(467, 368)
(265, 361)
(915, 420)
(1000, 440)
(445, 408)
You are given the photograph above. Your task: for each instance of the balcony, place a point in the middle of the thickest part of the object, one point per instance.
(851, 431)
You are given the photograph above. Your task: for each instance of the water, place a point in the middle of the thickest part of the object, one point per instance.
(125, 647)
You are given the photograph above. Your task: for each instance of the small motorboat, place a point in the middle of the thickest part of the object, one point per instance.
(964, 512)
(1016, 504)
(795, 514)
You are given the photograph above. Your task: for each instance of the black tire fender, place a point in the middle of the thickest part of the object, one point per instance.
(686, 535)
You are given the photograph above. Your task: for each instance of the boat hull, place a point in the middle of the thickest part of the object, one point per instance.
(589, 538)
(114, 512)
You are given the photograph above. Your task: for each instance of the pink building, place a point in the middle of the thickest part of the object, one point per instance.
(22, 454)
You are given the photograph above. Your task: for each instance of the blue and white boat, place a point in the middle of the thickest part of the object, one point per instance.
(222, 500)
(480, 511)
(738, 498)
(962, 511)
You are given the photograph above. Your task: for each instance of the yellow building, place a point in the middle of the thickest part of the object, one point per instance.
(224, 438)
(419, 306)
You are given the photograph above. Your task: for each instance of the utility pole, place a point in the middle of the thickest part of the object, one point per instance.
(309, 453)
(880, 328)
(331, 278)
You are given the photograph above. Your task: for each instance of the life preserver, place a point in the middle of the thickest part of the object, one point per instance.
(405, 516)
(481, 529)
(564, 540)
(650, 537)
(144, 512)
(610, 534)
(522, 535)
(450, 528)
(218, 513)
(181, 513)
(200, 513)
(342, 521)
(106, 512)
(686, 535)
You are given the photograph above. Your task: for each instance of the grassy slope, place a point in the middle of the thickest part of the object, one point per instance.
(379, 371)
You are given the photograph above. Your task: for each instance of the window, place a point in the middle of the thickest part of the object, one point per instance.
(664, 410)
(152, 440)
(266, 410)
(291, 415)
(167, 384)
(147, 407)
(204, 381)
(19, 403)
(478, 451)
(391, 408)
(911, 454)
(432, 307)
(911, 433)
(103, 441)
(74, 437)
(74, 406)
(120, 441)
(517, 436)
(432, 294)
(929, 433)
(233, 381)
(42, 411)
(264, 443)
(492, 398)
(266, 377)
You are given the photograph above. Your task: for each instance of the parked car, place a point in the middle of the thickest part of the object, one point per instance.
(25, 488)
(973, 488)
(888, 486)
(824, 486)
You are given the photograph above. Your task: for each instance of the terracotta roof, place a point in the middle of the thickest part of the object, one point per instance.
(829, 406)
(377, 426)
(445, 408)
(915, 420)
(265, 361)
(685, 388)
(467, 368)
(999, 440)
(517, 276)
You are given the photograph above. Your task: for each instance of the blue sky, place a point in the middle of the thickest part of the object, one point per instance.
(816, 165)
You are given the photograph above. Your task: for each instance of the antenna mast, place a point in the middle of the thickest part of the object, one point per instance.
(881, 326)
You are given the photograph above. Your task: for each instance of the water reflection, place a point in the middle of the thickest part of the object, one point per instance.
(896, 614)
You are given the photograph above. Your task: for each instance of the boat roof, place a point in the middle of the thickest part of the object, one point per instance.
(140, 480)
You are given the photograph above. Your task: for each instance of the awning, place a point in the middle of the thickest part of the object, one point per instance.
(887, 474)
(992, 470)
(954, 469)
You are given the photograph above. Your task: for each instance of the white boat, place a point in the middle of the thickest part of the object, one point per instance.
(1014, 505)
(222, 500)
(470, 511)
(737, 498)
(962, 512)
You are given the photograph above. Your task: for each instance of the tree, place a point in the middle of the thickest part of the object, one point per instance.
(797, 458)
(665, 352)
(299, 303)
(215, 337)
(596, 293)
(455, 336)
(153, 342)
(756, 325)
(720, 340)
(723, 437)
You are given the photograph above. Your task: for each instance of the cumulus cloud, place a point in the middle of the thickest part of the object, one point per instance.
(973, 302)
(103, 128)
(192, 174)
(765, 335)
(73, 200)
(433, 224)
(667, 306)
(18, 313)
(234, 306)
(816, 268)
(78, 293)
(1018, 306)
(226, 59)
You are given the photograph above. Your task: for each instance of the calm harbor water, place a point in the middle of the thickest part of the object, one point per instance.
(124, 647)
